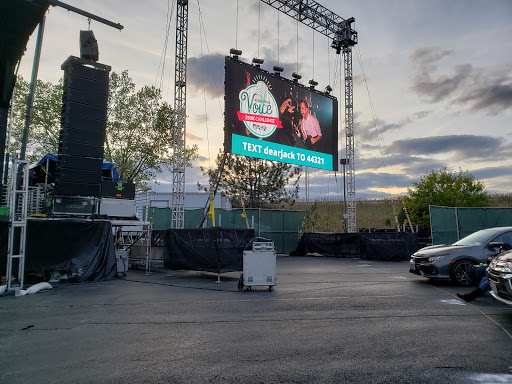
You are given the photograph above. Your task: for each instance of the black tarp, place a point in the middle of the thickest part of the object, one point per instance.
(329, 244)
(390, 246)
(216, 250)
(84, 250)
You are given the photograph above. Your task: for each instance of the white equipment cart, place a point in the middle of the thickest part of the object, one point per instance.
(259, 265)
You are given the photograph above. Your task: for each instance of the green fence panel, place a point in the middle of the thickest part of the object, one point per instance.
(278, 240)
(444, 225)
(253, 215)
(473, 219)
(161, 217)
(280, 226)
(450, 224)
(272, 221)
(293, 221)
(193, 218)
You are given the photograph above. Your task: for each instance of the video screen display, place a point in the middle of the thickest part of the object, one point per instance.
(270, 117)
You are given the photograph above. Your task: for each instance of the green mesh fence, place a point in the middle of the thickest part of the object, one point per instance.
(443, 221)
(451, 224)
(280, 226)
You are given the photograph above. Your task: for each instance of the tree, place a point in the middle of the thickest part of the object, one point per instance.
(139, 132)
(262, 183)
(441, 187)
(44, 126)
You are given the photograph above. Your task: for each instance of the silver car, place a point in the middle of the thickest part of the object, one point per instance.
(453, 261)
(499, 274)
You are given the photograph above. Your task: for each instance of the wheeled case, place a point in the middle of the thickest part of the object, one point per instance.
(259, 265)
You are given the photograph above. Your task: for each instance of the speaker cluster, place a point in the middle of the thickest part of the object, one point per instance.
(83, 128)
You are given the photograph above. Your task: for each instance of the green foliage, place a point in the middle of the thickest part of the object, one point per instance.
(326, 215)
(261, 182)
(311, 218)
(139, 135)
(44, 127)
(501, 200)
(441, 187)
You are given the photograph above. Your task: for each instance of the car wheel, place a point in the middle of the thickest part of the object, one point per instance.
(459, 273)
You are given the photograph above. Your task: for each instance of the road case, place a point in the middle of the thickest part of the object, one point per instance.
(259, 265)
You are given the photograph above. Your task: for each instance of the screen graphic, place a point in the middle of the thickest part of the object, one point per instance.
(270, 117)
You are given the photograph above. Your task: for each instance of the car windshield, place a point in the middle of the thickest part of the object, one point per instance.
(478, 238)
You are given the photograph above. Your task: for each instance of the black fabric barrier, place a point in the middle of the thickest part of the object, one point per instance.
(216, 250)
(84, 250)
(390, 246)
(329, 244)
(4, 239)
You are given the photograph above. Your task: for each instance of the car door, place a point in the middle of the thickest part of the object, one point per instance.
(505, 237)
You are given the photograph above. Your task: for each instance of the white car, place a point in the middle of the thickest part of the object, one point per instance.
(499, 274)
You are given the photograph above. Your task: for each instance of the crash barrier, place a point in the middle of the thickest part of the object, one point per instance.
(388, 246)
(281, 226)
(450, 224)
(216, 250)
(77, 249)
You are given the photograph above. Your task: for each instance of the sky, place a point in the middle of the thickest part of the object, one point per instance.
(432, 79)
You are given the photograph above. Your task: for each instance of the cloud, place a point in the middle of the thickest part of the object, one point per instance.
(376, 129)
(427, 57)
(442, 86)
(194, 137)
(422, 114)
(382, 180)
(410, 164)
(493, 172)
(467, 86)
(206, 73)
(492, 97)
(463, 146)
(425, 83)
(418, 166)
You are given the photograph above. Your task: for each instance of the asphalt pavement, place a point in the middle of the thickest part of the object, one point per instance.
(328, 320)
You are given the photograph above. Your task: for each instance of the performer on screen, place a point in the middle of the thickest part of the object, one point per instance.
(290, 118)
(309, 127)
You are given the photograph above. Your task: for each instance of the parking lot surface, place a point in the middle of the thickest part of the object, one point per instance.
(328, 320)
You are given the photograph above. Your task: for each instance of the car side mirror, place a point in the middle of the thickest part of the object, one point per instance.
(495, 244)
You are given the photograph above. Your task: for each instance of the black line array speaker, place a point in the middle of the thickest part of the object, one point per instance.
(83, 125)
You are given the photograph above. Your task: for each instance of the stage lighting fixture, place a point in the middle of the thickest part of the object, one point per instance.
(257, 62)
(296, 77)
(278, 70)
(328, 89)
(313, 83)
(235, 52)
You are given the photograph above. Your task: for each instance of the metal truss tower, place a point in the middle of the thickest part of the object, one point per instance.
(180, 116)
(349, 140)
(343, 37)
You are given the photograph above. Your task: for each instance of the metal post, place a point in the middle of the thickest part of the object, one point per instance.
(307, 188)
(343, 162)
(32, 91)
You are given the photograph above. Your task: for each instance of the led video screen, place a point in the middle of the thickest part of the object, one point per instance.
(270, 117)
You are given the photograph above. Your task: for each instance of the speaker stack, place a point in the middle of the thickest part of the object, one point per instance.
(83, 125)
